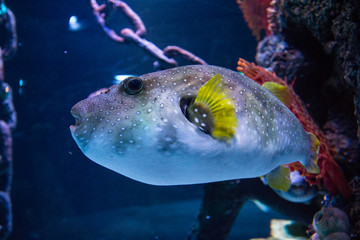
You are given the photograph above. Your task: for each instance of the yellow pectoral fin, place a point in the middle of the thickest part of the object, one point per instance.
(215, 98)
(279, 91)
(279, 178)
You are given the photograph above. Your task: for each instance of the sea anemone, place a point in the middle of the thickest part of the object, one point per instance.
(330, 220)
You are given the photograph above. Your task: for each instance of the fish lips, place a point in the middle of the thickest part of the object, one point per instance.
(75, 111)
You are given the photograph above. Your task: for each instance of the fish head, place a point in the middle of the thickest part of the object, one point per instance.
(134, 126)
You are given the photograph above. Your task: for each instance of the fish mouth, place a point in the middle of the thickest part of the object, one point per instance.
(78, 119)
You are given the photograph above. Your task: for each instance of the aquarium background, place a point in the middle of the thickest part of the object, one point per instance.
(57, 193)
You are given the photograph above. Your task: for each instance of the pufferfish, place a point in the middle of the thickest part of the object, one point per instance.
(190, 125)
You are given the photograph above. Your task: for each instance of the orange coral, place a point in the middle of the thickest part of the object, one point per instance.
(273, 15)
(330, 172)
(255, 14)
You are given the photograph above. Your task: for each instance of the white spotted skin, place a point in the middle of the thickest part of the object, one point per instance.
(147, 137)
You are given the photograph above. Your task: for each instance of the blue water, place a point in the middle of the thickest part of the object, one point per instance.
(57, 193)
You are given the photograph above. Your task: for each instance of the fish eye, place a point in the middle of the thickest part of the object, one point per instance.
(133, 85)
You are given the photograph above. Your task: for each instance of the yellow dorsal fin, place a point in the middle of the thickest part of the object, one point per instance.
(214, 110)
(279, 178)
(311, 163)
(279, 91)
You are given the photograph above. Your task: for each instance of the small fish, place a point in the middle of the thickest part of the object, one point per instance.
(190, 125)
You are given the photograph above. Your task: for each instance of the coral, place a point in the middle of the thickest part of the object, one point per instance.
(5, 179)
(340, 130)
(330, 220)
(7, 109)
(336, 26)
(354, 211)
(8, 47)
(327, 33)
(267, 47)
(331, 236)
(337, 236)
(273, 15)
(5, 157)
(8, 40)
(275, 53)
(255, 15)
(315, 236)
(5, 215)
(330, 172)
